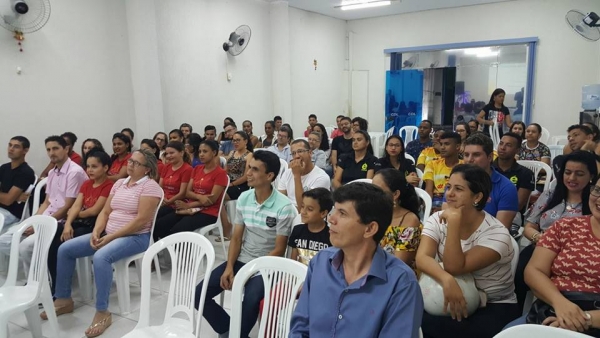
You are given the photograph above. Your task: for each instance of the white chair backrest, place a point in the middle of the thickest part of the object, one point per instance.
(25, 213)
(44, 229)
(533, 330)
(515, 260)
(495, 134)
(222, 162)
(36, 195)
(410, 133)
(409, 157)
(282, 279)
(560, 139)
(536, 167)
(389, 132)
(420, 174)
(555, 150)
(329, 130)
(188, 251)
(423, 195)
(162, 197)
(545, 137)
(364, 180)
(283, 167)
(1, 222)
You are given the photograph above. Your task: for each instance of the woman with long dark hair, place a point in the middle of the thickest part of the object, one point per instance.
(192, 147)
(360, 163)
(495, 112)
(88, 145)
(324, 145)
(122, 153)
(518, 127)
(394, 158)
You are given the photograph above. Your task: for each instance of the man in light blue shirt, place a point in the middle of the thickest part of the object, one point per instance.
(282, 148)
(359, 290)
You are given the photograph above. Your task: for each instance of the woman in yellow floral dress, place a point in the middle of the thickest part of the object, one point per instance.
(404, 234)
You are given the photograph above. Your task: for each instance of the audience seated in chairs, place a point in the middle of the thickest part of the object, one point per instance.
(342, 144)
(15, 178)
(122, 152)
(312, 122)
(204, 193)
(122, 229)
(356, 277)
(318, 156)
(263, 222)
(403, 234)
(474, 126)
(62, 188)
(161, 139)
(415, 147)
(192, 148)
(210, 133)
(568, 199)
(437, 172)
(226, 143)
(237, 163)
(563, 273)
(360, 163)
(301, 175)
(358, 123)
(462, 129)
(337, 131)
(247, 127)
(282, 147)
(430, 153)
(270, 136)
(394, 158)
(82, 215)
(223, 135)
(176, 135)
(88, 145)
(151, 146)
(186, 129)
(468, 240)
(70, 138)
(518, 127)
(532, 149)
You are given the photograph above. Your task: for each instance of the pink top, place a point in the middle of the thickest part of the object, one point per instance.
(336, 133)
(63, 183)
(125, 202)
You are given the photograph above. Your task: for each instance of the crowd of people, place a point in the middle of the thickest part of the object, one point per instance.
(365, 244)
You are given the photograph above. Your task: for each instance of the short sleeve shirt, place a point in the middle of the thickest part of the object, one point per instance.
(427, 155)
(354, 170)
(21, 177)
(518, 175)
(75, 157)
(284, 154)
(407, 166)
(503, 196)
(544, 219)
(263, 222)
(226, 146)
(439, 173)
(495, 279)
(91, 194)
(494, 114)
(117, 164)
(307, 242)
(316, 178)
(63, 183)
(342, 145)
(415, 147)
(576, 266)
(172, 179)
(534, 154)
(204, 183)
(126, 200)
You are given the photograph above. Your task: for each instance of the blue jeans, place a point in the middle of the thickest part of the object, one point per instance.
(519, 321)
(9, 219)
(103, 259)
(216, 316)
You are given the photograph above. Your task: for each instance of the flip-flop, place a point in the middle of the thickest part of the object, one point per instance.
(218, 239)
(60, 310)
(103, 325)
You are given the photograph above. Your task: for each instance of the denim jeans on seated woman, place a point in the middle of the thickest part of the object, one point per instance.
(519, 321)
(103, 259)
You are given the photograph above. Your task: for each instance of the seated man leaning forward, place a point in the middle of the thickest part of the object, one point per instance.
(358, 290)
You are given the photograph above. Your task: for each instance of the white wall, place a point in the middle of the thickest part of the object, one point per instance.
(75, 77)
(565, 61)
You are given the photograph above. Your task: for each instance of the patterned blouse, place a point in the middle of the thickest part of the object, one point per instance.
(402, 238)
(236, 166)
(545, 219)
(534, 154)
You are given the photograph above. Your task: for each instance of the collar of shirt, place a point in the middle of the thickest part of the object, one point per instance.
(377, 268)
(513, 167)
(64, 169)
(268, 203)
(140, 181)
(496, 176)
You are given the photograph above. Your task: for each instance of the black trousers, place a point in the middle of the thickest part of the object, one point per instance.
(172, 223)
(484, 323)
(53, 251)
(520, 287)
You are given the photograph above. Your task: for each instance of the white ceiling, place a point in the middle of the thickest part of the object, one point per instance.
(327, 7)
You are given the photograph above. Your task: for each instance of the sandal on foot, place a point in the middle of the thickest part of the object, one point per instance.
(60, 310)
(218, 239)
(102, 325)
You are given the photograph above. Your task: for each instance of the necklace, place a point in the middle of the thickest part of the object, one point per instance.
(572, 206)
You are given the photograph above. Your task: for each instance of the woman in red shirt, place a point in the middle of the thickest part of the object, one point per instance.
(122, 152)
(90, 201)
(204, 193)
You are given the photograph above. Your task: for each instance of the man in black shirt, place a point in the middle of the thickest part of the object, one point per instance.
(341, 144)
(15, 178)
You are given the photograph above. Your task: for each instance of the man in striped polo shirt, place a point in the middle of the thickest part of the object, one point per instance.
(263, 223)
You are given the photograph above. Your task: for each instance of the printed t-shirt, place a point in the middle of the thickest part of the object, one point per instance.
(91, 194)
(172, 179)
(307, 242)
(203, 185)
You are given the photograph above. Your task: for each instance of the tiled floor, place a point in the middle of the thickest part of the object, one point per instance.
(74, 325)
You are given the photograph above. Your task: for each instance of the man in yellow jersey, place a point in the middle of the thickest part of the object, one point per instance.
(438, 171)
(431, 153)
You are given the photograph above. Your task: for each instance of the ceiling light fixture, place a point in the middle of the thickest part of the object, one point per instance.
(365, 5)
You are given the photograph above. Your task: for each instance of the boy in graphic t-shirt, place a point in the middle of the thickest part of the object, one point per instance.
(309, 238)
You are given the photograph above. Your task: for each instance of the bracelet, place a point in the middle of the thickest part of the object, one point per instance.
(588, 318)
(535, 236)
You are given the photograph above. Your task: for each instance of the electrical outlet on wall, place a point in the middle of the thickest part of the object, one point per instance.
(229, 76)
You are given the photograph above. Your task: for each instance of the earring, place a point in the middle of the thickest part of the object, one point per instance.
(476, 204)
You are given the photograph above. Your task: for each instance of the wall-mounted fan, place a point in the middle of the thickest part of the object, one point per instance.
(238, 40)
(24, 16)
(585, 25)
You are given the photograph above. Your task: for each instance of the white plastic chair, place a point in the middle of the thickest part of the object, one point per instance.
(536, 167)
(555, 150)
(364, 180)
(423, 195)
(389, 132)
(515, 261)
(17, 299)
(188, 252)
(495, 135)
(329, 130)
(420, 175)
(282, 276)
(217, 225)
(36, 195)
(545, 137)
(25, 213)
(534, 331)
(282, 169)
(556, 140)
(410, 157)
(222, 162)
(410, 133)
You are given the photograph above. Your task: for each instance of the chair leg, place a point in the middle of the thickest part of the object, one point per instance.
(4, 327)
(46, 299)
(122, 281)
(158, 275)
(84, 277)
(220, 227)
(34, 321)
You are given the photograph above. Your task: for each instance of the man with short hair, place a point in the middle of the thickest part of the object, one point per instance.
(16, 177)
(414, 147)
(186, 129)
(342, 144)
(312, 121)
(70, 138)
(278, 122)
(210, 133)
(227, 144)
(262, 225)
(437, 172)
(503, 202)
(302, 175)
(430, 153)
(62, 188)
(355, 289)
(338, 131)
(522, 178)
(282, 148)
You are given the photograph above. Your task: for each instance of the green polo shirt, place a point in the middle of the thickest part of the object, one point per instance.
(263, 222)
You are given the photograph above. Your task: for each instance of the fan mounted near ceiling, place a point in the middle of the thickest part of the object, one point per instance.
(24, 16)
(585, 25)
(238, 40)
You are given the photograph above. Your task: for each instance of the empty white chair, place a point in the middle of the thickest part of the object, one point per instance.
(423, 195)
(282, 279)
(217, 225)
(18, 299)
(410, 133)
(389, 132)
(537, 167)
(188, 253)
(363, 180)
(409, 157)
(560, 139)
(534, 331)
(545, 137)
(555, 150)
(329, 130)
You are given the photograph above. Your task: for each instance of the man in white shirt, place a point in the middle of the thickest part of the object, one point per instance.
(302, 175)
